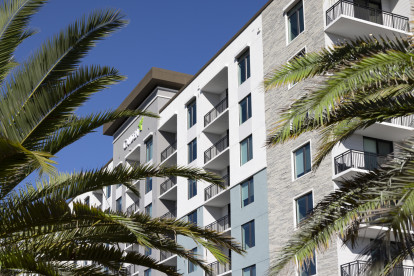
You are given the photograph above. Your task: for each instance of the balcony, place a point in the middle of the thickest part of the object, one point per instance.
(133, 208)
(221, 225)
(217, 196)
(360, 268)
(168, 189)
(218, 268)
(396, 129)
(352, 162)
(132, 247)
(217, 120)
(168, 156)
(132, 270)
(169, 215)
(217, 157)
(349, 19)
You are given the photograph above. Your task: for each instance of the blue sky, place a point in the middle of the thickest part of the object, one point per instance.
(180, 35)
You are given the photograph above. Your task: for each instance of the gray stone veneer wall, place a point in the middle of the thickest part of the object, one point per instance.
(282, 187)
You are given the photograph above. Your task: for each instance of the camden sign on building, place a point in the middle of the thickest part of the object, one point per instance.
(128, 141)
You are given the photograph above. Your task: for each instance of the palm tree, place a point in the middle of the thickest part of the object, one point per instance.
(39, 233)
(361, 83)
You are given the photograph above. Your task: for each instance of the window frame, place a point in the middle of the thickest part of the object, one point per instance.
(250, 268)
(147, 251)
(191, 113)
(249, 152)
(191, 266)
(302, 52)
(316, 267)
(295, 176)
(244, 58)
(248, 110)
(295, 10)
(148, 207)
(192, 150)
(192, 188)
(147, 272)
(148, 185)
(190, 217)
(149, 144)
(295, 206)
(117, 201)
(250, 192)
(108, 191)
(87, 201)
(252, 234)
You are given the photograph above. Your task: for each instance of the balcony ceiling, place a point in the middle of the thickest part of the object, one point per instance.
(351, 27)
(387, 131)
(217, 84)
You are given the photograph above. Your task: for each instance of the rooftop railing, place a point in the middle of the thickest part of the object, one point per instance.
(218, 268)
(220, 225)
(361, 268)
(388, 19)
(168, 151)
(407, 121)
(167, 184)
(165, 255)
(215, 112)
(213, 189)
(358, 160)
(215, 149)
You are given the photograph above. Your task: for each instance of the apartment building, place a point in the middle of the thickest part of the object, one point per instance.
(218, 120)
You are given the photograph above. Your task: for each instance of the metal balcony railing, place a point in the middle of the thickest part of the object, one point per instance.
(217, 268)
(169, 215)
(133, 208)
(220, 225)
(165, 255)
(167, 184)
(358, 160)
(213, 189)
(168, 151)
(215, 149)
(407, 121)
(215, 112)
(345, 7)
(132, 269)
(361, 268)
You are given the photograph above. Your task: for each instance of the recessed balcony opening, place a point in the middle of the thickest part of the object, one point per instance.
(168, 142)
(168, 189)
(133, 157)
(216, 157)
(217, 196)
(361, 18)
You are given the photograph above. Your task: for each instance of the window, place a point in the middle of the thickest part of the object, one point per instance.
(246, 150)
(298, 55)
(118, 206)
(148, 148)
(148, 209)
(192, 151)
(192, 188)
(308, 269)
(302, 160)
(147, 272)
(147, 251)
(245, 109)
(148, 184)
(192, 267)
(247, 192)
(108, 191)
(249, 271)
(244, 66)
(296, 22)
(87, 200)
(248, 240)
(192, 114)
(192, 217)
(304, 206)
(375, 151)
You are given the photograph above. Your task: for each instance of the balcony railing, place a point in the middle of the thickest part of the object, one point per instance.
(133, 208)
(132, 269)
(407, 121)
(215, 149)
(358, 160)
(361, 268)
(217, 268)
(165, 255)
(168, 184)
(345, 7)
(168, 151)
(213, 189)
(169, 215)
(220, 225)
(215, 112)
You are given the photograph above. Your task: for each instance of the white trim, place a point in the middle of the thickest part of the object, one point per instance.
(294, 178)
(295, 225)
(131, 151)
(290, 86)
(291, 5)
(147, 137)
